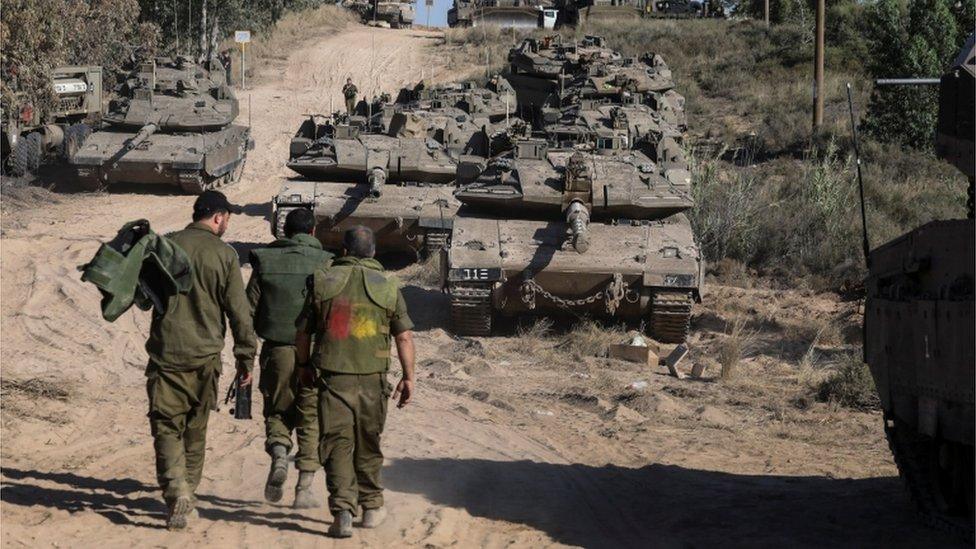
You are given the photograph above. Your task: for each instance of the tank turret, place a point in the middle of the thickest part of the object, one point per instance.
(171, 125)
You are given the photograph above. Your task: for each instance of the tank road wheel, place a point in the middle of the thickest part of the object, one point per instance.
(74, 137)
(435, 240)
(938, 475)
(671, 316)
(27, 154)
(470, 309)
(195, 183)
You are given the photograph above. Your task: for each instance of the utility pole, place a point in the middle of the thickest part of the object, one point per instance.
(766, 12)
(818, 70)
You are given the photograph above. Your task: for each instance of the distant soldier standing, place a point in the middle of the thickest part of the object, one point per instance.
(349, 91)
(353, 310)
(184, 353)
(277, 291)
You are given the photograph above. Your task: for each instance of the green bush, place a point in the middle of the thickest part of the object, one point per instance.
(850, 385)
(914, 39)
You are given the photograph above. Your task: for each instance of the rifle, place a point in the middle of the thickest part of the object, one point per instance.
(242, 399)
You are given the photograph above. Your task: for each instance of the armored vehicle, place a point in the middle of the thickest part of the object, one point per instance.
(919, 325)
(31, 132)
(349, 151)
(397, 180)
(644, 75)
(603, 126)
(388, 13)
(173, 125)
(549, 57)
(684, 8)
(575, 11)
(568, 231)
(496, 101)
(409, 217)
(521, 14)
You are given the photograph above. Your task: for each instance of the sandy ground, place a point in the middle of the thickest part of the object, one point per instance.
(524, 440)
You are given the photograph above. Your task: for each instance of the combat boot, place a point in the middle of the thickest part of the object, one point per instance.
(278, 474)
(303, 491)
(179, 512)
(373, 517)
(341, 525)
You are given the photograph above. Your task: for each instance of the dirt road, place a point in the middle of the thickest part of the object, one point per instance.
(513, 441)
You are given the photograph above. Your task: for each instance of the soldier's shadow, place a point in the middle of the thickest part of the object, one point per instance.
(130, 502)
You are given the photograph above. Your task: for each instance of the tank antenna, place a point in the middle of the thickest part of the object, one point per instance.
(860, 181)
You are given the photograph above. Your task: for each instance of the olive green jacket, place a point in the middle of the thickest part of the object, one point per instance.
(353, 310)
(191, 331)
(280, 282)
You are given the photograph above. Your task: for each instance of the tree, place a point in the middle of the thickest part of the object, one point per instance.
(916, 39)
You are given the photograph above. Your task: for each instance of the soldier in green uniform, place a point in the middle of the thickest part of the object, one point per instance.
(276, 291)
(353, 310)
(349, 92)
(184, 348)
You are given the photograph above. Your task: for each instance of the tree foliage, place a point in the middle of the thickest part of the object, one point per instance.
(38, 35)
(917, 38)
(194, 27)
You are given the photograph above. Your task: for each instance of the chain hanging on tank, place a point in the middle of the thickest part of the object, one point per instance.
(613, 293)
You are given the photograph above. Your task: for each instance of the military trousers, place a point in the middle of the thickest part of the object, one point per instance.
(179, 408)
(288, 406)
(350, 106)
(352, 413)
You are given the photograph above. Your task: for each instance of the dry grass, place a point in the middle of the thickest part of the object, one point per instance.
(426, 273)
(271, 50)
(850, 385)
(739, 341)
(589, 338)
(34, 388)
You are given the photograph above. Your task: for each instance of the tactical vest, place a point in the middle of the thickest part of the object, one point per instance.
(284, 271)
(356, 305)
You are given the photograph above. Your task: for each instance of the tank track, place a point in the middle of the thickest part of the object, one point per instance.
(470, 309)
(195, 183)
(671, 316)
(908, 449)
(435, 240)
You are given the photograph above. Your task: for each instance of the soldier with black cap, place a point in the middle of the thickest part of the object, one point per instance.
(184, 349)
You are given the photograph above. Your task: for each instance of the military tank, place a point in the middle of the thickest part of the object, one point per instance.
(918, 328)
(567, 231)
(351, 151)
(603, 126)
(397, 184)
(389, 13)
(173, 125)
(496, 100)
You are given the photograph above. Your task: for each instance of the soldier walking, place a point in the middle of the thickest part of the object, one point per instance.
(353, 310)
(276, 291)
(349, 92)
(184, 348)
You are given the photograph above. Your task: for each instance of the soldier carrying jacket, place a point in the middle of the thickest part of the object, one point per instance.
(276, 292)
(354, 309)
(184, 348)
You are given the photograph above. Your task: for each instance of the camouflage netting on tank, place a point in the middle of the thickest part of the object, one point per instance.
(38, 35)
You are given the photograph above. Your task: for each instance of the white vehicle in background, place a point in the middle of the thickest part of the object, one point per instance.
(518, 14)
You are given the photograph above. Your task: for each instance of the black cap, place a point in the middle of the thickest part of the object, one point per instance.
(210, 202)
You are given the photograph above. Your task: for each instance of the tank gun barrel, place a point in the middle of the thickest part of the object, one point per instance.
(578, 217)
(907, 82)
(143, 134)
(377, 178)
